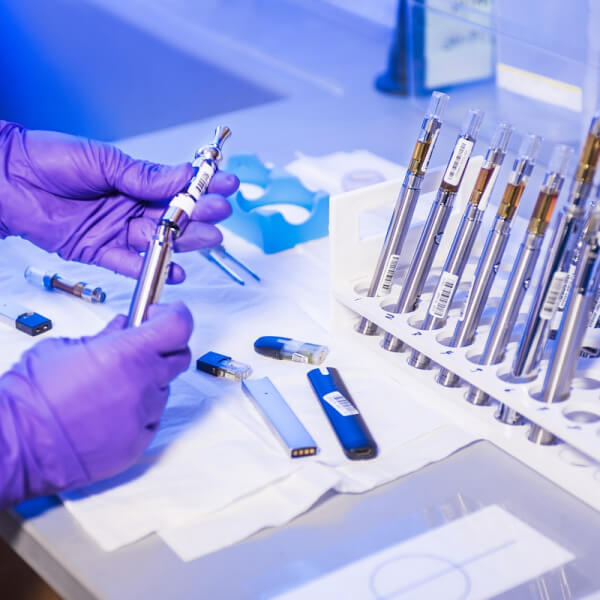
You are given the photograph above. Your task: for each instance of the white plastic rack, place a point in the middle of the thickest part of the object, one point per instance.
(574, 462)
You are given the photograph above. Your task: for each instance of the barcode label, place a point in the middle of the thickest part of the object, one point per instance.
(485, 197)
(595, 313)
(199, 184)
(388, 274)
(567, 287)
(458, 162)
(443, 295)
(340, 403)
(553, 296)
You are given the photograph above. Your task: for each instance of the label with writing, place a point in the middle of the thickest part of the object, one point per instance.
(440, 305)
(553, 296)
(388, 274)
(341, 404)
(458, 162)
(567, 287)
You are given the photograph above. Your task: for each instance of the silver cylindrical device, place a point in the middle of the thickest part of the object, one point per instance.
(508, 311)
(381, 282)
(173, 222)
(154, 274)
(421, 262)
(563, 362)
(485, 273)
(555, 281)
(523, 271)
(549, 291)
(463, 241)
(490, 260)
(432, 233)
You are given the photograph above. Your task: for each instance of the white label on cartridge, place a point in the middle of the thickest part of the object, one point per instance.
(567, 287)
(341, 404)
(555, 292)
(485, 197)
(595, 313)
(199, 183)
(458, 162)
(443, 295)
(299, 358)
(388, 274)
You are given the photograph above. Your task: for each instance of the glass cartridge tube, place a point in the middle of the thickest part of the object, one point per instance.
(381, 282)
(553, 287)
(53, 281)
(561, 368)
(520, 277)
(464, 239)
(490, 259)
(435, 225)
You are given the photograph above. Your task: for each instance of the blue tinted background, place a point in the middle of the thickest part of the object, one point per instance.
(69, 66)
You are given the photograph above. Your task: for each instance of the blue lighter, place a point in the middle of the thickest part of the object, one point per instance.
(344, 416)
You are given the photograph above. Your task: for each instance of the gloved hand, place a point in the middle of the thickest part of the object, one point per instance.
(91, 203)
(76, 411)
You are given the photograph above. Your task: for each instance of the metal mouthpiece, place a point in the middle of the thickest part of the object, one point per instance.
(222, 132)
(215, 148)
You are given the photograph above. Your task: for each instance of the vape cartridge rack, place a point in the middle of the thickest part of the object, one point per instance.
(573, 464)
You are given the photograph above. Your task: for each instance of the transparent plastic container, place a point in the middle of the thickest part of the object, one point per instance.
(535, 64)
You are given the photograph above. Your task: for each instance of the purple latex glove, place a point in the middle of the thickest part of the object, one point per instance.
(76, 411)
(91, 203)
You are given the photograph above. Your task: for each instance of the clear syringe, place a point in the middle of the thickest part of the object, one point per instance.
(53, 281)
(171, 225)
(553, 286)
(522, 271)
(563, 362)
(464, 239)
(434, 228)
(381, 282)
(490, 259)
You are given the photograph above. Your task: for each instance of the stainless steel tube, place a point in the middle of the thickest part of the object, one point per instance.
(171, 225)
(422, 260)
(563, 362)
(485, 274)
(448, 282)
(381, 281)
(554, 283)
(495, 244)
(508, 311)
(432, 233)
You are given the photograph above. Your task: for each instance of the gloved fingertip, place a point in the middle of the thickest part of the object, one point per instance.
(166, 311)
(116, 324)
(212, 208)
(211, 236)
(224, 183)
(153, 181)
(173, 322)
(176, 274)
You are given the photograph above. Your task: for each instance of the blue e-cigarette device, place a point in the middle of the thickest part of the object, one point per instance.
(343, 414)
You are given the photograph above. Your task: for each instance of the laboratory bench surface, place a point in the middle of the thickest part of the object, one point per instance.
(322, 101)
(341, 528)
